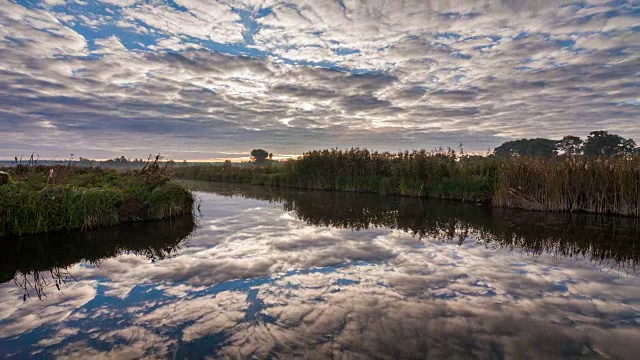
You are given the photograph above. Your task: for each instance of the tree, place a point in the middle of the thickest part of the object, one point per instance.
(528, 147)
(601, 143)
(570, 145)
(629, 146)
(259, 155)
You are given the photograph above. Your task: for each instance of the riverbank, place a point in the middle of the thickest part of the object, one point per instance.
(43, 199)
(578, 184)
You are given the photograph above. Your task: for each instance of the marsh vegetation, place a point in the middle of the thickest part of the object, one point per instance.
(40, 199)
(606, 185)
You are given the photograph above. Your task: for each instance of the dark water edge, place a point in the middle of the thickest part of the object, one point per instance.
(281, 273)
(29, 259)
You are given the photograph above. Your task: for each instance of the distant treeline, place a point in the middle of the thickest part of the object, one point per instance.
(598, 143)
(121, 162)
(118, 163)
(570, 182)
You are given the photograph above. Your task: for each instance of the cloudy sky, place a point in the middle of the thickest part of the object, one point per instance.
(208, 80)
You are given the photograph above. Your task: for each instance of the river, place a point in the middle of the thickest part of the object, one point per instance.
(275, 273)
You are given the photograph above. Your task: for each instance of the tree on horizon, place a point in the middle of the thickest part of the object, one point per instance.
(601, 143)
(259, 155)
(528, 147)
(598, 143)
(571, 145)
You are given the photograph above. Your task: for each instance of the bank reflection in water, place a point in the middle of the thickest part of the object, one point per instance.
(285, 274)
(610, 241)
(39, 263)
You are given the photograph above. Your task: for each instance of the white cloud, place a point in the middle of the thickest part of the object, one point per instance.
(404, 75)
(207, 22)
(36, 33)
(121, 3)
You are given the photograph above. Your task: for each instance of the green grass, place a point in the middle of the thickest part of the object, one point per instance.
(34, 201)
(420, 173)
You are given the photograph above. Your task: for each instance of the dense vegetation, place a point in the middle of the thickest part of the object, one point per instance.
(566, 182)
(41, 199)
(598, 143)
(590, 184)
(418, 173)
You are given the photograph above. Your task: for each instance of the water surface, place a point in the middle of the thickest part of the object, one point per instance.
(289, 274)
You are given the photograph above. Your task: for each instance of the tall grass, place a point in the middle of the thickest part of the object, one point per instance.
(25, 211)
(45, 199)
(441, 174)
(576, 184)
(596, 185)
(228, 173)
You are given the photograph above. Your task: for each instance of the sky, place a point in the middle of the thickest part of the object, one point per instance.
(202, 80)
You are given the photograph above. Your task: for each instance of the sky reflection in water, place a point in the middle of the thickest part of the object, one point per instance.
(283, 273)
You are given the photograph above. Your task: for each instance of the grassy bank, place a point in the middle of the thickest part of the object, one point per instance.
(605, 185)
(418, 173)
(40, 199)
(594, 185)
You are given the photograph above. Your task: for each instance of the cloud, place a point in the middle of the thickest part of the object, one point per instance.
(61, 307)
(211, 21)
(193, 80)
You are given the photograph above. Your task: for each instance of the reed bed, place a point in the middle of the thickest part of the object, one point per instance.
(595, 185)
(440, 174)
(43, 199)
(608, 185)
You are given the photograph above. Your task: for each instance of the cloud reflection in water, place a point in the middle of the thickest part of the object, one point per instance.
(282, 273)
